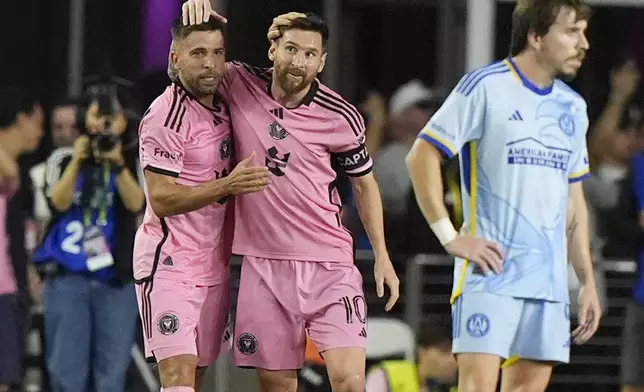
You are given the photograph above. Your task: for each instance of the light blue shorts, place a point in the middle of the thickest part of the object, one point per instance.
(509, 327)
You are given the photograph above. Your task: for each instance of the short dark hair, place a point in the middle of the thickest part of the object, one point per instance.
(537, 16)
(434, 335)
(14, 101)
(311, 22)
(179, 31)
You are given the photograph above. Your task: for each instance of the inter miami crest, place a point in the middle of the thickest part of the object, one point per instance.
(225, 148)
(168, 324)
(247, 344)
(276, 131)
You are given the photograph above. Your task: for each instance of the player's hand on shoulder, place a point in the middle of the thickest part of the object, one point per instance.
(486, 254)
(280, 21)
(194, 12)
(81, 148)
(246, 178)
(590, 313)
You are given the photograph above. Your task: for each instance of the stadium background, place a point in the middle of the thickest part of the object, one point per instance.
(52, 45)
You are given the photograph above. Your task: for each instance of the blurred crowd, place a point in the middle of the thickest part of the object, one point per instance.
(75, 303)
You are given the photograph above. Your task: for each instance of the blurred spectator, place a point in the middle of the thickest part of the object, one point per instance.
(612, 141)
(20, 132)
(410, 107)
(86, 254)
(374, 110)
(64, 127)
(64, 131)
(435, 368)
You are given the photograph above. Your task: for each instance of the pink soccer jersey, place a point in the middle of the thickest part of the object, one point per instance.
(297, 217)
(182, 138)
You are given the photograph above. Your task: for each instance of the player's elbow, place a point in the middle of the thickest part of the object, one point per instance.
(159, 203)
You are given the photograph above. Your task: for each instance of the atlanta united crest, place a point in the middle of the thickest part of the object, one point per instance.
(478, 325)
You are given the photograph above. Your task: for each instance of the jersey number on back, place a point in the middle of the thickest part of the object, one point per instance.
(275, 163)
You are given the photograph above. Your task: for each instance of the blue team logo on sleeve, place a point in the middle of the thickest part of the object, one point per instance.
(558, 113)
(478, 325)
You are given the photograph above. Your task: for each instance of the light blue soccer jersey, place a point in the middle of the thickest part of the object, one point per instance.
(519, 148)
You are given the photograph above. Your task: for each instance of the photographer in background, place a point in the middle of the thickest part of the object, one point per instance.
(85, 257)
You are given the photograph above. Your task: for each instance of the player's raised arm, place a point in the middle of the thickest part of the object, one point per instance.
(199, 11)
(457, 122)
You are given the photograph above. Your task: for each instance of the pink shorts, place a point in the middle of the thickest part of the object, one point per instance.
(180, 318)
(280, 301)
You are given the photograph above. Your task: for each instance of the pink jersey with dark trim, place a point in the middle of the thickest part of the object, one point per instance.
(298, 216)
(182, 138)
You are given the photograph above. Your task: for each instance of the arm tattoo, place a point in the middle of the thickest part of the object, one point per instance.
(572, 227)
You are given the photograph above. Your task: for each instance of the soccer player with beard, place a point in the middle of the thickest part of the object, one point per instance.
(298, 275)
(182, 248)
(521, 138)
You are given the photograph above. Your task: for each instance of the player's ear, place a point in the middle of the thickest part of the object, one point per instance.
(534, 40)
(271, 50)
(173, 59)
(322, 62)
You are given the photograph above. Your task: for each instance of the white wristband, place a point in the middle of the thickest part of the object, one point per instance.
(444, 230)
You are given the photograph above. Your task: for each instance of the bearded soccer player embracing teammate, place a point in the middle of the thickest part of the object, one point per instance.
(182, 248)
(298, 275)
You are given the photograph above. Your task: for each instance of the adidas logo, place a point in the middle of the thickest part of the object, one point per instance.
(279, 113)
(167, 261)
(363, 333)
(516, 116)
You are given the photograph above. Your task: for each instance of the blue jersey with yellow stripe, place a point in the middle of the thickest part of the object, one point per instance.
(519, 147)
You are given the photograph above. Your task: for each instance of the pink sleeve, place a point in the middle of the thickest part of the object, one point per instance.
(376, 381)
(349, 147)
(233, 69)
(236, 68)
(162, 150)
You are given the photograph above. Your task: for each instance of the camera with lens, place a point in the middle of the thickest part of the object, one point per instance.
(100, 111)
(104, 141)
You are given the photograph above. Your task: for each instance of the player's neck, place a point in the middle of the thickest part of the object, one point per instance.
(10, 143)
(533, 70)
(288, 100)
